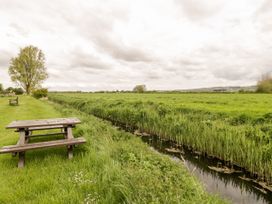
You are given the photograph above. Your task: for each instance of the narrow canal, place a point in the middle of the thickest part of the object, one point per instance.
(234, 186)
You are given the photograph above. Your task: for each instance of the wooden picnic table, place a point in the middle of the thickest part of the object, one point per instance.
(27, 127)
(25, 124)
(14, 101)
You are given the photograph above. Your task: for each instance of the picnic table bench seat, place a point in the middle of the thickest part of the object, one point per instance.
(39, 145)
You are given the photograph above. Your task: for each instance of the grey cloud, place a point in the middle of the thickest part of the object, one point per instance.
(120, 51)
(263, 16)
(97, 27)
(185, 64)
(5, 59)
(188, 62)
(21, 30)
(266, 7)
(199, 9)
(233, 73)
(88, 61)
(225, 51)
(154, 75)
(115, 60)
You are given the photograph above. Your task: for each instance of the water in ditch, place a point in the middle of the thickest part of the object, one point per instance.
(229, 186)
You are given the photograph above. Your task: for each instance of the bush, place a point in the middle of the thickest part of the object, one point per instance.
(39, 93)
(18, 91)
(139, 88)
(8, 90)
(11, 90)
(265, 84)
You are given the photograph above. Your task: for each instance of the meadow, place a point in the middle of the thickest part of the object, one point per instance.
(236, 128)
(112, 167)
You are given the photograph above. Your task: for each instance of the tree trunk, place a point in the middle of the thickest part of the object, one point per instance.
(27, 90)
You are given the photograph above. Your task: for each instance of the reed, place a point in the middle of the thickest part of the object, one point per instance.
(244, 138)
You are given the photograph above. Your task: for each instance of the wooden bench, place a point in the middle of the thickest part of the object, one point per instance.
(40, 145)
(14, 101)
(27, 127)
(31, 130)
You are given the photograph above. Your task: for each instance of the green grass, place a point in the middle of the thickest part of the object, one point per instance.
(113, 167)
(231, 103)
(232, 127)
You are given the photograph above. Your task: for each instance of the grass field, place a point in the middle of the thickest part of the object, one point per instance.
(233, 127)
(113, 167)
(234, 104)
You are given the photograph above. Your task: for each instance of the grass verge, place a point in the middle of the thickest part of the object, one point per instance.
(113, 167)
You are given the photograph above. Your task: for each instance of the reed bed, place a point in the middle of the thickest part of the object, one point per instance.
(241, 139)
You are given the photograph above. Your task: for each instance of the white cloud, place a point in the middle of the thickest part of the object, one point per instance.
(95, 45)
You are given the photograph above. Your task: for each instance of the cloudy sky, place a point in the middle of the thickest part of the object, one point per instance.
(165, 44)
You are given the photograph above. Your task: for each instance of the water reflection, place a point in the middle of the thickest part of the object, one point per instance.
(228, 186)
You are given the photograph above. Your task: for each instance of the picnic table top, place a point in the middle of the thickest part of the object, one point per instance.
(43, 122)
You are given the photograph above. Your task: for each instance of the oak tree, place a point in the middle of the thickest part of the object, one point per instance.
(28, 69)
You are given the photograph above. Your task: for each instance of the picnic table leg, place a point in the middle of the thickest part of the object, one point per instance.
(27, 134)
(70, 151)
(69, 135)
(21, 141)
(21, 161)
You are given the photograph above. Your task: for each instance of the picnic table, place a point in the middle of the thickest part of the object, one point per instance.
(25, 128)
(14, 101)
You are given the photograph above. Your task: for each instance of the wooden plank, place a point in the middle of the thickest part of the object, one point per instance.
(69, 133)
(46, 134)
(21, 141)
(39, 145)
(27, 138)
(43, 122)
(21, 161)
(70, 151)
(14, 153)
(46, 127)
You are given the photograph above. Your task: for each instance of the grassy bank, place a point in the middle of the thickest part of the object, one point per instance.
(113, 167)
(233, 127)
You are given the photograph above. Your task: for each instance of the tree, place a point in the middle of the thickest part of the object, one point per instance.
(27, 69)
(9, 90)
(265, 84)
(139, 88)
(18, 91)
(1, 88)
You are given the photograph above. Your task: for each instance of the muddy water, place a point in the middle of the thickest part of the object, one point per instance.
(228, 186)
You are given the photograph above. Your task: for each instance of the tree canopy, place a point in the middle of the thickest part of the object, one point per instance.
(265, 84)
(139, 88)
(28, 69)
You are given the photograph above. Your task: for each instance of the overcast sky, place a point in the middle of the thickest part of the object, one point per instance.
(165, 44)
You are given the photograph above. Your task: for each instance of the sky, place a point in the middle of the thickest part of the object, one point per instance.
(116, 44)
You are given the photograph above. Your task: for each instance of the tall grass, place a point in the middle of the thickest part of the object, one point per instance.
(242, 139)
(112, 167)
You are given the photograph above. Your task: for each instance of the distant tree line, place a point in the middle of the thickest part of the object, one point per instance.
(11, 90)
